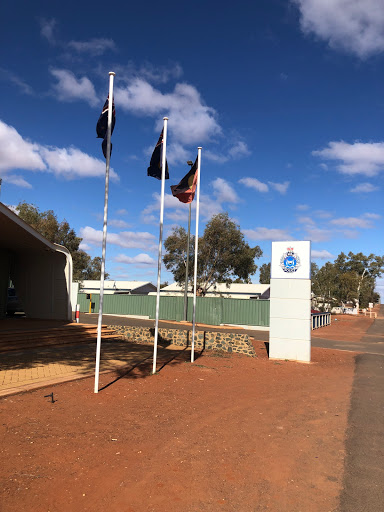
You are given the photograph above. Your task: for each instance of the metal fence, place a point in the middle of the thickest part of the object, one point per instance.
(320, 320)
(209, 310)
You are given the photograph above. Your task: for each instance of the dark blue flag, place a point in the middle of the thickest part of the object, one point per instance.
(154, 168)
(102, 125)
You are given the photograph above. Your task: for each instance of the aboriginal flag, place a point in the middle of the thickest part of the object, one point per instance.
(154, 168)
(102, 125)
(185, 190)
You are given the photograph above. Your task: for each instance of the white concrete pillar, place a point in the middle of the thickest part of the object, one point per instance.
(290, 313)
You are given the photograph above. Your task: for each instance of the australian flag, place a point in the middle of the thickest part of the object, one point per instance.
(102, 125)
(154, 168)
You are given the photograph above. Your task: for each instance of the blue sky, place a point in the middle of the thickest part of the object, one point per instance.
(285, 97)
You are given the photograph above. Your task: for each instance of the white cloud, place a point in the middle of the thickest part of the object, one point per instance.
(349, 233)
(302, 207)
(239, 149)
(280, 187)
(47, 28)
(94, 47)
(373, 216)
(176, 153)
(342, 227)
(218, 158)
(209, 207)
(319, 235)
(224, 192)
(19, 181)
(322, 214)
(69, 163)
(84, 247)
(364, 188)
(267, 234)
(176, 211)
(18, 153)
(191, 121)
(69, 88)
(13, 208)
(357, 158)
(118, 223)
(322, 255)
(126, 239)
(8, 76)
(263, 187)
(149, 72)
(140, 259)
(149, 218)
(306, 220)
(352, 222)
(170, 202)
(354, 26)
(255, 184)
(122, 211)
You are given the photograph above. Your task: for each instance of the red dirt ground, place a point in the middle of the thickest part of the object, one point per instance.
(228, 433)
(345, 327)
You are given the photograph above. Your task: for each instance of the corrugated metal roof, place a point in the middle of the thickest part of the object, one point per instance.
(116, 285)
(222, 288)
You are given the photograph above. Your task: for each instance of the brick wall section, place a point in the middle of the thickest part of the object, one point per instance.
(226, 342)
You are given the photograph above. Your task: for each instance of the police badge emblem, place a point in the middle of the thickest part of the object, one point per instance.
(290, 261)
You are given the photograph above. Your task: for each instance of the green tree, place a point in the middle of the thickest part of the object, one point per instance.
(351, 277)
(46, 223)
(223, 256)
(366, 269)
(265, 273)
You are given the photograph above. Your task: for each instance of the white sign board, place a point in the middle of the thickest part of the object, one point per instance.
(291, 260)
(370, 305)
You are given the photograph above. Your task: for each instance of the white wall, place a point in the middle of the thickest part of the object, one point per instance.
(290, 302)
(74, 292)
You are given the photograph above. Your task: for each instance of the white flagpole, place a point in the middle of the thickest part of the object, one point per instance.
(163, 164)
(196, 250)
(108, 157)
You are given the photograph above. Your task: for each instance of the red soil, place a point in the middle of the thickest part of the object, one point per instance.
(227, 433)
(345, 328)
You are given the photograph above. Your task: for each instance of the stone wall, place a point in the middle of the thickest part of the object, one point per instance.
(208, 340)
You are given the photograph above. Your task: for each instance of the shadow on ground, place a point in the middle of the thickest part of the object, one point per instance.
(113, 353)
(143, 368)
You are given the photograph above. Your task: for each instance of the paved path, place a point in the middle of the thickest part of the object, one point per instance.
(363, 486)
(40, 367)
(369, 347)
(29, 369)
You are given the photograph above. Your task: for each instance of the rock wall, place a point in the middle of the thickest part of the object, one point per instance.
(208, 340)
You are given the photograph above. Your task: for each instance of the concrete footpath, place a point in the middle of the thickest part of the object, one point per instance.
(363, 486)
(46, 366)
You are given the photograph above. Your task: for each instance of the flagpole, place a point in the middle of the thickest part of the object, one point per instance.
(163, 166)
(108, 158)
(196, 251)
(187, 268)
